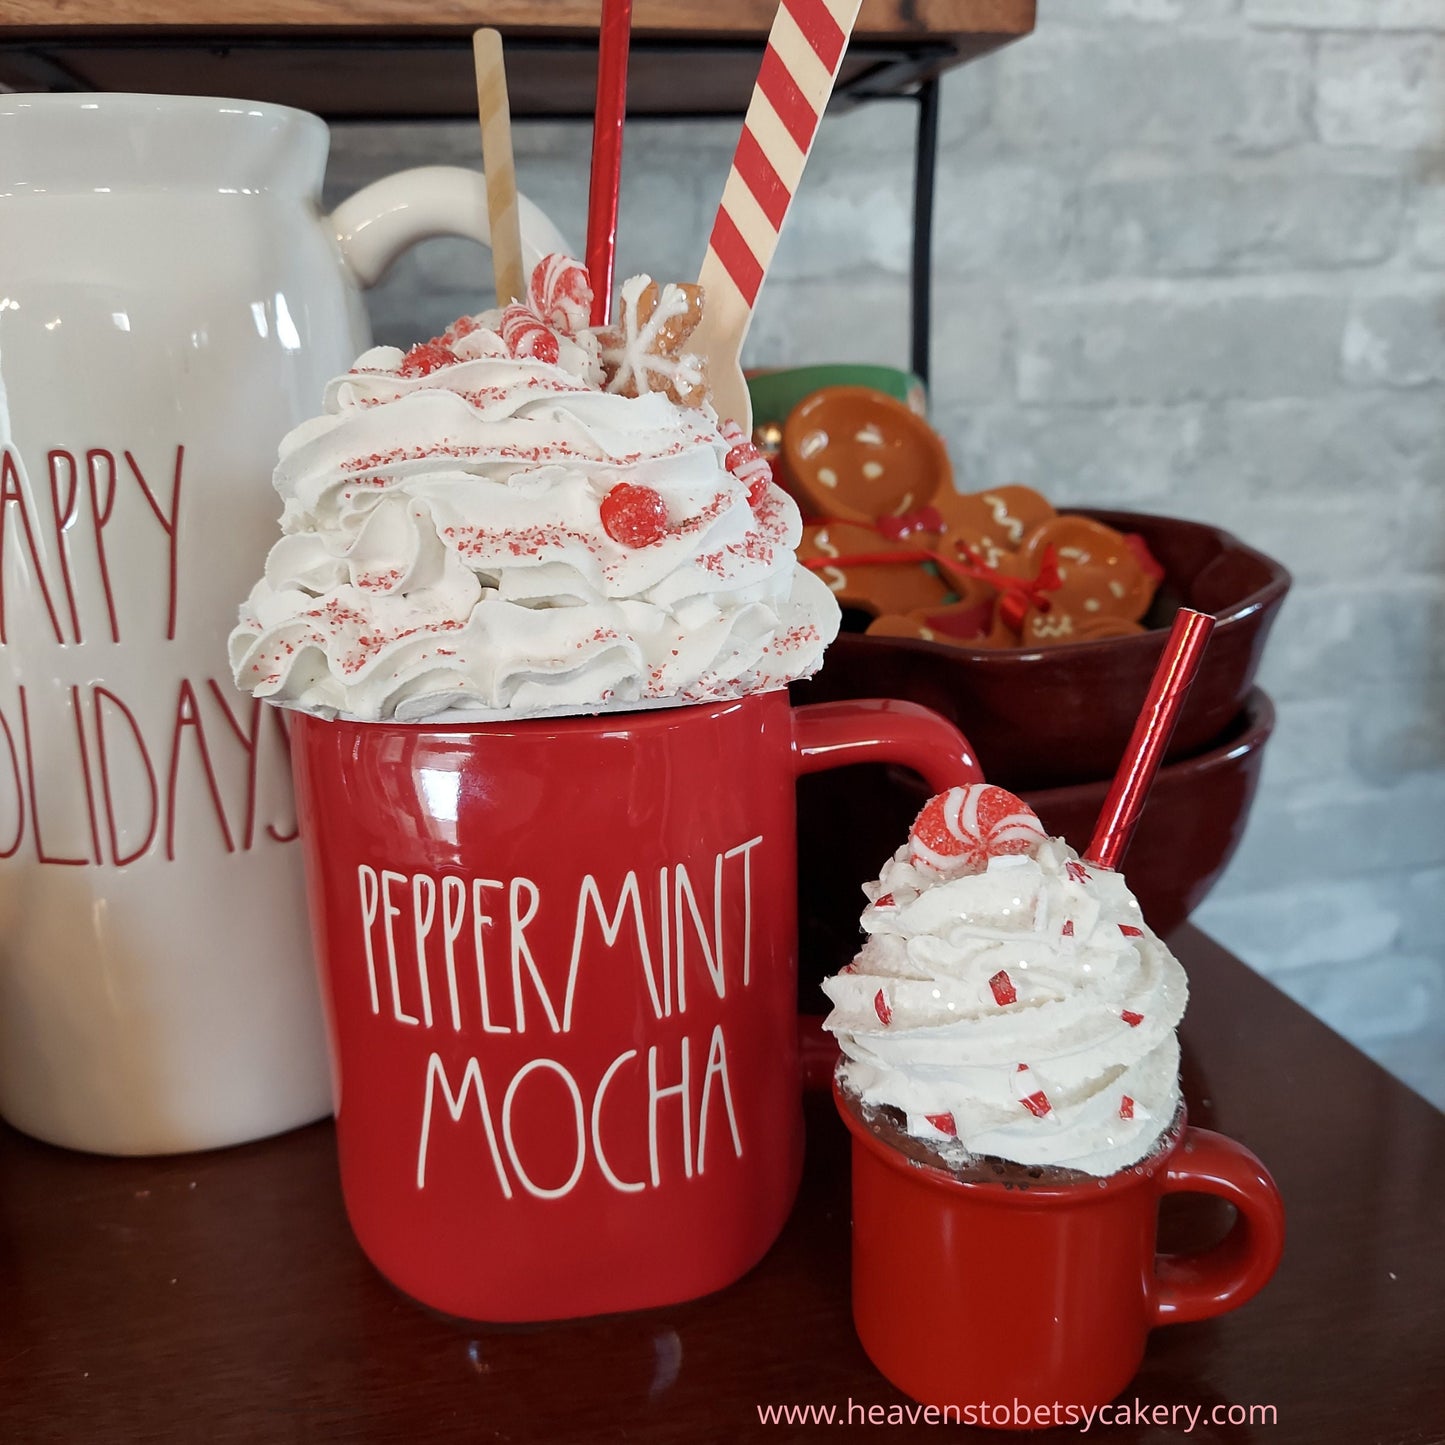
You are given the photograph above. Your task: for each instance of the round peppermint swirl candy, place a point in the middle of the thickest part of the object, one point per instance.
(960, 830)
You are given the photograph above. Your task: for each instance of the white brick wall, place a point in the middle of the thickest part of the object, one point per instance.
(1189, 258)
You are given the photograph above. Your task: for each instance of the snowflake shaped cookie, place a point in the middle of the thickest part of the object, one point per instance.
(644, 352)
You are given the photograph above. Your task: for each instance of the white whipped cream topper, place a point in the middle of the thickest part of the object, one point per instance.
(527, 516)
(1009, 997)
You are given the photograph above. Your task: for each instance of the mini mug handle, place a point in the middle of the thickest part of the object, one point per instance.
(1213, 1281)
(872, 730)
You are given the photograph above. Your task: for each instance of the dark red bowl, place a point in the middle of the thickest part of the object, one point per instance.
(851, 820)
(1057, 715)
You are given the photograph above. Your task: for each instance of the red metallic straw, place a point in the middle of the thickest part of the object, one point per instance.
(1167, 691)
(613, 40)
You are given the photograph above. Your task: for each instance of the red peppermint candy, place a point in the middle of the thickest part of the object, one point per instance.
(525, 334)
(885, 900)
(880, 1007)
(1003, 988)
(425, 357)
(746, 462)
(1068, 928)
(1129, 931)
(944, 1124)
(462, 326)
(1076, 871)
(1131, 1018)
(560, 292)
(1028, 1094)
(1126, 1107)
(960, 830)
(635, 516)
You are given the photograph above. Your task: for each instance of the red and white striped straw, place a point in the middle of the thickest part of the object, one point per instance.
(805, 49)
(1168, 689)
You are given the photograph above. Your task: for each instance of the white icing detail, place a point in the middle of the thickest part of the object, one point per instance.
(1002, 518)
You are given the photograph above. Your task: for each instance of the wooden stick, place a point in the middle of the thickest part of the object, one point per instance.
(804, 52)
(496, 119)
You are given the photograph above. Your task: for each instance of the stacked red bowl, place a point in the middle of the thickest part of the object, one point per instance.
(1051, 724)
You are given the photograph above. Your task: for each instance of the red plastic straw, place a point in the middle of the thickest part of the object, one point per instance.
(1167, 691)
(614, 39)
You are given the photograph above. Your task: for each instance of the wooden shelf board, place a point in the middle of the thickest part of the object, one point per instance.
(380, 58)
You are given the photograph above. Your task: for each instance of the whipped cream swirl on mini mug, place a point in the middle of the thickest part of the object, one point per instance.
(1010, 1000)
(528, 516)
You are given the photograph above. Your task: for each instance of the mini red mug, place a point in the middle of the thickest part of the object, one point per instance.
(1012, 1300)
(558, 959)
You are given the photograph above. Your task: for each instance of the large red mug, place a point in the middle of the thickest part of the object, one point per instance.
(1025, 1306)
(558, 959)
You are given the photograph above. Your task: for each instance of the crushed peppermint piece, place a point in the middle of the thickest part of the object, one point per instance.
(1032, 1098)
(1003, 988)
(880, 1007)
(1036, 1103)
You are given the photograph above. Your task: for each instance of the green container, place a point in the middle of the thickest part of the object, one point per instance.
(776, 393)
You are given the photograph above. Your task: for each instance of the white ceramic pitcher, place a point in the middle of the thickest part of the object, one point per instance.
(172, 301)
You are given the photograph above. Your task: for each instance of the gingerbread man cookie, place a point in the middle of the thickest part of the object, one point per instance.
(856, 455)
(1102, 574)
(992, 525)
(874, 586)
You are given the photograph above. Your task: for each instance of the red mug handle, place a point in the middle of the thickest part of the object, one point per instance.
(1213, 1281)
(883, 730)
(872, 730)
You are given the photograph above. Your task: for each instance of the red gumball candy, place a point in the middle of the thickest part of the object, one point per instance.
(633, 515)
(960, 830)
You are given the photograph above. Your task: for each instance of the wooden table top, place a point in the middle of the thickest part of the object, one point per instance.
(220, 1297)
(395, 58)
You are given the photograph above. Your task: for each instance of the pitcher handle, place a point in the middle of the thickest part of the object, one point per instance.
(381, 220)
